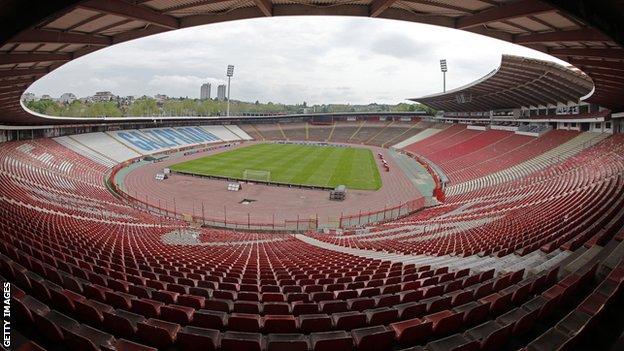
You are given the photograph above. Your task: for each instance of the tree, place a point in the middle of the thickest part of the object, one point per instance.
(144, 107)
(147, 107)
(41, 106)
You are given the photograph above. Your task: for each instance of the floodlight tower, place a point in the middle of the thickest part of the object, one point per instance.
(444, 70)
(230, 73)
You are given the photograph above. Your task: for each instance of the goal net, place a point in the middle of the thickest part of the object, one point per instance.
(257, 175)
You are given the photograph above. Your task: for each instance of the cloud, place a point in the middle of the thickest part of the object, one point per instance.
(399, 46)
(290, 60)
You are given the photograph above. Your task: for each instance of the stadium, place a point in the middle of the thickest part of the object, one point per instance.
(495, 224)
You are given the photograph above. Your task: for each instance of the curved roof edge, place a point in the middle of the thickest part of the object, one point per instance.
(38, 36)
(517, 82)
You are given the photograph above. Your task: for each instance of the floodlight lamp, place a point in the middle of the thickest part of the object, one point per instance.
(230, 70)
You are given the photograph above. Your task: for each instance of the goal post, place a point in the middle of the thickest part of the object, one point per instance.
(257, 175)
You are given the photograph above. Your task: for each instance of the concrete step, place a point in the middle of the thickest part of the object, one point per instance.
(615, 257)
(551, 262)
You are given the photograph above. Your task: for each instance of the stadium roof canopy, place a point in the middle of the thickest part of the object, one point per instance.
(518, 82)
(37, 36)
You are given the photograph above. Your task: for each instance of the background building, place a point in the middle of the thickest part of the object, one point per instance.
(160, 97)
(28, 97)
(103, 96)
(221, 92)
(67, 98)
(204, 92)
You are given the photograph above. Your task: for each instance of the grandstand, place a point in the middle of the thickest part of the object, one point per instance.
(520, 246)
(490, 266)
(366, 132)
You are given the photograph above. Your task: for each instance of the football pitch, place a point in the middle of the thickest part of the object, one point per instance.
(311, 165)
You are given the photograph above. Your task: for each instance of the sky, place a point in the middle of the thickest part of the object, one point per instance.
(289, 60)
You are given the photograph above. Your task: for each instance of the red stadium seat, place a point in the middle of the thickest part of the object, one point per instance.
(236, 341)
(177, 314)
(373, 338)
(349, 320)
(88, 339)
(309, 323)
(157, 333)
(411, 331)
(146, 307)
(209, 319)
(244, 322)
(445, 322)
(333, 340)
(491, 335)
(279, 324)
(193, 338)
(287, 342)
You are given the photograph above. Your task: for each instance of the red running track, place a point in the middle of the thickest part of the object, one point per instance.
(282, 202)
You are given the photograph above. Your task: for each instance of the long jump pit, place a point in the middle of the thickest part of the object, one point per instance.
(267, 207)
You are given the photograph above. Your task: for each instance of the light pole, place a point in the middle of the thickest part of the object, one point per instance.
(230, 73)
(444, 70)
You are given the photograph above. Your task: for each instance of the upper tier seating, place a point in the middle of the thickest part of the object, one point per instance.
(466, 154)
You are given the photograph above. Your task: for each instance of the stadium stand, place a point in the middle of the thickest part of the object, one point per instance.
(494, 266)
(581, 189)
(467, 145)
(99, 145)
(253, 132)
(222, 133)
(90, 153)
(152, 140)
(416, 138)
(367, 131)
(236, 130)
(295, 131)
(269, 132)
(374, 133)
(525, 253)
(320, 132)
(472, 158)
(395, 132)
(111, 148)
(528, 165)
(427, 145)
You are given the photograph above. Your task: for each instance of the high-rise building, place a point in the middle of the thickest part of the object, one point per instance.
(204, 92)
(221, 92)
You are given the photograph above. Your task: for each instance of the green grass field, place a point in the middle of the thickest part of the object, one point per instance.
(293, 164)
